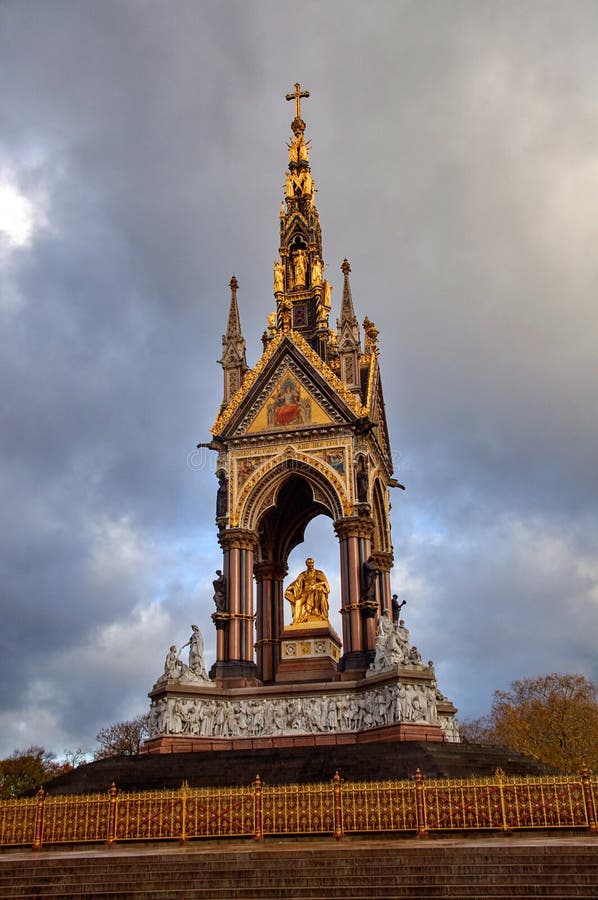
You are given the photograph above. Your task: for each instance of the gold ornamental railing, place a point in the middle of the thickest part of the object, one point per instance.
(414, 806)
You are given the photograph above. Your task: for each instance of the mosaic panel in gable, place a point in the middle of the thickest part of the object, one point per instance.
(255, 419)
(287, 406)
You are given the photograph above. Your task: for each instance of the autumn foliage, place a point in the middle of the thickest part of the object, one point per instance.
(552, 718)
(26, 770)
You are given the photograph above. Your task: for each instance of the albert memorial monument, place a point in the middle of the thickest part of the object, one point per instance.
(301, 434)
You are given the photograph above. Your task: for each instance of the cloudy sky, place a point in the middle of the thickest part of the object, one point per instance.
(142, 157)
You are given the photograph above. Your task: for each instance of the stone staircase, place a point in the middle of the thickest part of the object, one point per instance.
(236, 768)
(497, 868)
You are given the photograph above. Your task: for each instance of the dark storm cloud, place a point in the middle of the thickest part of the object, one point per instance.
(454, 149)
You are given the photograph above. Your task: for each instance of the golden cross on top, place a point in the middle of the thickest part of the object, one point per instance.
(296, 96)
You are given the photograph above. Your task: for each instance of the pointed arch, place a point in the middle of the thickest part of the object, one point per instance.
(381, 522)
(327, 491)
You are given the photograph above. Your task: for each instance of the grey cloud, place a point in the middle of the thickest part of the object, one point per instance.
(453, 151)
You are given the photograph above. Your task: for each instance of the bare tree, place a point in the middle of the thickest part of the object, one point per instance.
(76, 757)
(122, 738)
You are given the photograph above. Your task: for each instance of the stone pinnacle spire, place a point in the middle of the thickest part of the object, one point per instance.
(234, 361)
(349, 336)
(347, 311)
(233, 328)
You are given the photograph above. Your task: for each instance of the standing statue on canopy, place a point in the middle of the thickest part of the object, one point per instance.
(222, 495)
(219, 584)
(278, 277)
(300, 267)
(369, 578)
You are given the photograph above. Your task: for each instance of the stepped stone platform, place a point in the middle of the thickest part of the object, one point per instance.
(288, 765)
(497, 868)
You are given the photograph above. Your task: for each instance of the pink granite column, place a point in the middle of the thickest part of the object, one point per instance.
(269, 577)
(354, 534)
(235, 625)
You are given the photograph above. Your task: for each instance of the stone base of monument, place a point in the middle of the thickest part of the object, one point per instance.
(308, 653)
(400, 703)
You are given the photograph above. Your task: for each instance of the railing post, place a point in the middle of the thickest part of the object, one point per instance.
(506, 828)
(184, 795)
(257, 806)
(588, 800)
(111, 816)
(338, 810)
(39, 820)
(422, 831)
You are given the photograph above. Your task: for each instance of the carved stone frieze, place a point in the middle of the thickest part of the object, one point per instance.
(450, 729)
(380, 705)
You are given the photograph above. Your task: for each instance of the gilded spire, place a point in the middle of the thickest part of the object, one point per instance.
(299, 271)
(298, 150)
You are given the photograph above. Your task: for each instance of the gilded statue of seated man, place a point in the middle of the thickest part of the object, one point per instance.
(308, 595)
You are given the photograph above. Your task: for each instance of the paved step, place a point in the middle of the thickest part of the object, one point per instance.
(312, 871)
(406, 891)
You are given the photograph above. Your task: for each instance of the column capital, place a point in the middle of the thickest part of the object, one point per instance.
(354, 526)
(383, 559)
(265, 570)
(238, 539)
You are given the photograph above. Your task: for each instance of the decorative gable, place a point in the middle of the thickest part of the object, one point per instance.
(289, 388)
(289, 405)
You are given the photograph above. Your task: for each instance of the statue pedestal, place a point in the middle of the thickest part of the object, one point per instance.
(308, 652)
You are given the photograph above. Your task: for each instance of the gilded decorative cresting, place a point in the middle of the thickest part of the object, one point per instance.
(248, 380)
